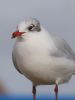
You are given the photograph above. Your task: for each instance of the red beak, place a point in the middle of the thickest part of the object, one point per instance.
(16, 34)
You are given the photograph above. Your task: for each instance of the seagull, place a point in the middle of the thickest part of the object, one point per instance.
(42, 57)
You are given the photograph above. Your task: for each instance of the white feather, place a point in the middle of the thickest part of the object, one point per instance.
(43, 58)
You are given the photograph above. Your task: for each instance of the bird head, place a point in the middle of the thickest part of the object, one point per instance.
(29, 26)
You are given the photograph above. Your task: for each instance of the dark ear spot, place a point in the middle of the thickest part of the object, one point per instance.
(38, 29)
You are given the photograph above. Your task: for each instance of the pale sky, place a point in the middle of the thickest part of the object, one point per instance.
(57, 16)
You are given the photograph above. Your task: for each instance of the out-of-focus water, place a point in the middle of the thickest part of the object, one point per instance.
(5, 97)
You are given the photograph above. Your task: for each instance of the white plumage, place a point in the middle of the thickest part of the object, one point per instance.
(42, 57)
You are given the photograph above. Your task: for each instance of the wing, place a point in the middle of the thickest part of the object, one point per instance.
(63, 49)
(15, 64)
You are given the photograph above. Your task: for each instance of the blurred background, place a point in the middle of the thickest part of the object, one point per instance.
(57, 16)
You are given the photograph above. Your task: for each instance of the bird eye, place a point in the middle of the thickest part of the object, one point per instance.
(30, 27)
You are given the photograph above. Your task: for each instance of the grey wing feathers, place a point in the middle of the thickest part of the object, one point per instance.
(15, 64)
(64, 48)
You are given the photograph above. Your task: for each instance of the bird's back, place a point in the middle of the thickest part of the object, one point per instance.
(63, 48)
